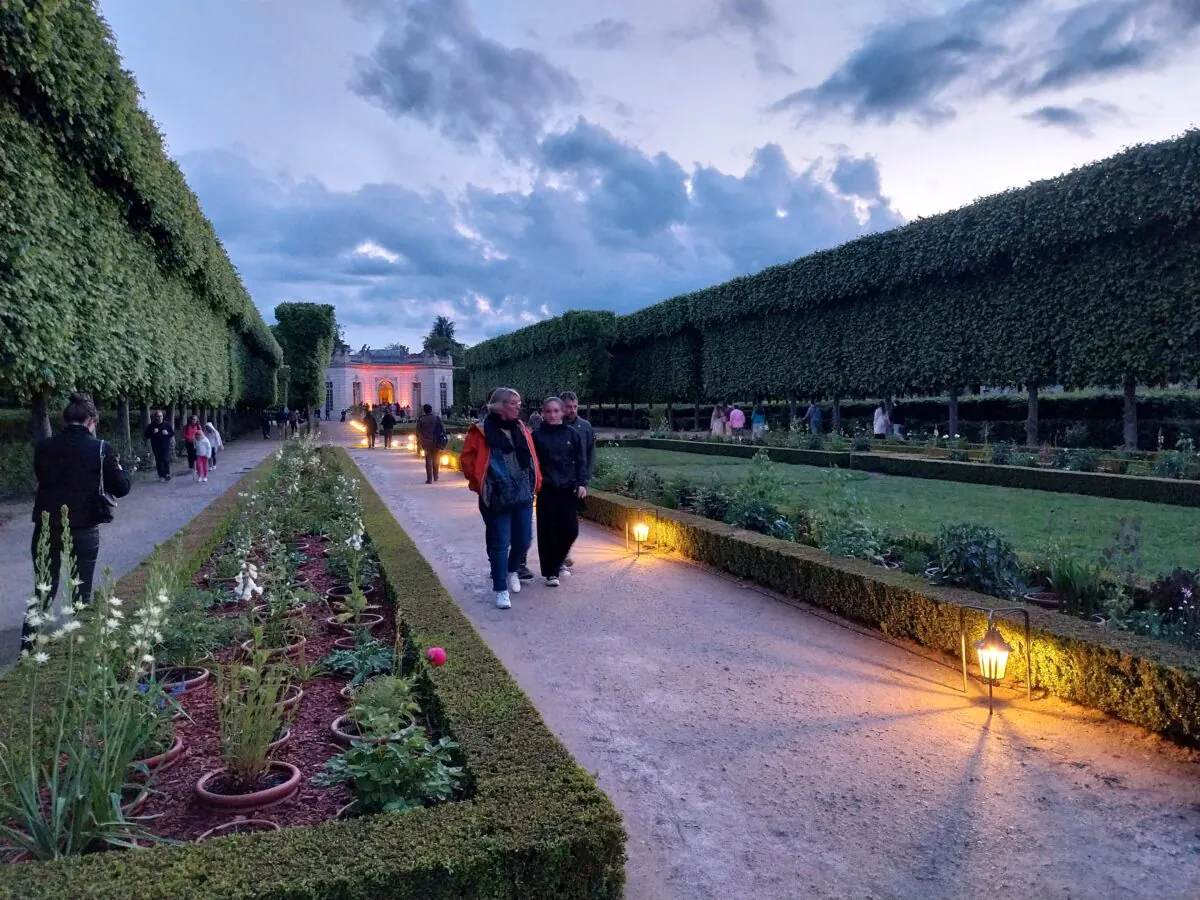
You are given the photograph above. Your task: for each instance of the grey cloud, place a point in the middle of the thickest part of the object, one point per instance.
(603, 226)
(607, 34)
(922, 66)
(1078, 119)
(432, 64)
(755, 18)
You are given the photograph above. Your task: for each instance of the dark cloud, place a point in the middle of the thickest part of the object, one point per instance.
(755, 18)
(603, 226)
(432, 64)
(1078, 119)
(921, 67)
(607, 34)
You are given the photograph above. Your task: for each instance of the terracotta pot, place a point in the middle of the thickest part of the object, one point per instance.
(191, 677)
(239, 826)
(131, 809)
(347, 692)
(282, 741)
(890, 565)
(1044, 599)
(341, 729)
(294, 649)
(291, 696)
(254, 799)
(346, 812)
(366, 622)
(339, 592)
(163, 761)
(263, 611)
(344, 643)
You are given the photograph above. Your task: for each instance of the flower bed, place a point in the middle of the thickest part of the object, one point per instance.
(1125, 675)
(535, 825)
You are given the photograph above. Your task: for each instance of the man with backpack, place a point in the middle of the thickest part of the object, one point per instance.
(431, 436)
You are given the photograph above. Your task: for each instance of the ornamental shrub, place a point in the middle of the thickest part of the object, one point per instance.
(978, 558)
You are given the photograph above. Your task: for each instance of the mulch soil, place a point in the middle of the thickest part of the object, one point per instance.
(174, 811)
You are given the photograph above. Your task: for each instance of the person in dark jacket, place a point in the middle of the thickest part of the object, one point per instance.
(587, 435)
(563, 461)
(267, 421)
(159, 434)
(70, 468)
(387, 424)
(431, 436)
(371, 427)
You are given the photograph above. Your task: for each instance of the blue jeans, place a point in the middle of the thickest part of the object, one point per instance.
(508, 537)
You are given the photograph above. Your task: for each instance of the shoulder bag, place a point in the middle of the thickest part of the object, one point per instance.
(103, 503)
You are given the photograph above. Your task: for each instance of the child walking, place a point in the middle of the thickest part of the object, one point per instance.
(214, 438)
(204, 449)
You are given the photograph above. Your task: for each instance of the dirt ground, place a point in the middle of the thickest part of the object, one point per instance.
(150, 514)
(758, 749)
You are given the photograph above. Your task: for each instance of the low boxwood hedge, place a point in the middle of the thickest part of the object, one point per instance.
(1134, 678)
(536, 826)
(1091, 484)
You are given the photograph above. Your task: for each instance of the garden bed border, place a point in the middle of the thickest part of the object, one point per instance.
(536, 826)
(1131, 677)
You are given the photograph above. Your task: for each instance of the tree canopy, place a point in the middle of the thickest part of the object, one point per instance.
(306, 332)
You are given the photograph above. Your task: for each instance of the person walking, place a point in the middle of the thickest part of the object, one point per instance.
(587, 436)
(190, 430)
(160, 435)
(266, 424)
(368, 421)
(293, 421)
(214, 438)
(431, 437)
(535, 420)
(881, 424)
(563, 463)
(387, 424)
(813, 415)
(74, 468)
(737, 421)
(758, 421)
(203, 455)
(281, 420)
(717, 420)
(501, 466)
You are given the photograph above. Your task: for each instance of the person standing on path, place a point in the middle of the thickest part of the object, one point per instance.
(281, 419)
(159, 434)
(294, 421)
(717, 421)
(204, 451)
(758, 421)
(587, 435)
(813, 415)
(73, 467)
(737, 421)
(266, 424)
(431, 436)
(563, 463)
(190, 430)
(368, 421)
(214, 438)
(387, 424)
(881, 424)
(501, 466)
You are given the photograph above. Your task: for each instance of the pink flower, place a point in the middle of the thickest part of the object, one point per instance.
(436, 655)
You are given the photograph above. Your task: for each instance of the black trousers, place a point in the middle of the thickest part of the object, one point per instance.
(87, 547)
(162, 460)
(557, 527)
(387, 437)
(191, 452)
(370, 439)
(431, 462)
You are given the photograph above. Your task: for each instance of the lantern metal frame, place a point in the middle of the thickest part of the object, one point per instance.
(991, 617)
(632, 518)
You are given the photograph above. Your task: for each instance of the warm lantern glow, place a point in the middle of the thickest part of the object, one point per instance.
(993, 653)
(357, 425)
(641, 532)
(412, 443)
(444, 459)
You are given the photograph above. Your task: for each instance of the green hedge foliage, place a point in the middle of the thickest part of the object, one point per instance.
(111, 278)
(1131, 677)
(536, 827)
(306, 332)
(1085, 279)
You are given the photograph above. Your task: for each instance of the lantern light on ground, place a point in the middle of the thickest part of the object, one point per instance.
(992, 651)
(357, 425)
(444, 459)
(637, 528)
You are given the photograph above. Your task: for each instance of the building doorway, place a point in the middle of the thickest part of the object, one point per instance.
(385, 395)
(416, 398)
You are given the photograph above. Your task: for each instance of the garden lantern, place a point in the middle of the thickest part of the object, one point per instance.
(993, 651)
(412, 442)
(444, 459)
(641, 532)
(637, 527)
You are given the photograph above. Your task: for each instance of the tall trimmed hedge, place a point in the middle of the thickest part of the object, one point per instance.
(1088, 279)
(306, 332)
(111, 278)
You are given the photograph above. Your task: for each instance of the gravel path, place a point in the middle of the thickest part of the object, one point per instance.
(150, 514)
(755, 748)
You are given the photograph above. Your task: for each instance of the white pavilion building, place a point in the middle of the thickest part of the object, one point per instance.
(380, 377)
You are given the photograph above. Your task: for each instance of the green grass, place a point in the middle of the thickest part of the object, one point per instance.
(1031, 519)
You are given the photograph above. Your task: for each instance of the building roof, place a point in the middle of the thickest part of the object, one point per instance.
(369, 357)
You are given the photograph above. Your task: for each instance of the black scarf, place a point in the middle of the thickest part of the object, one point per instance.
(493, 430)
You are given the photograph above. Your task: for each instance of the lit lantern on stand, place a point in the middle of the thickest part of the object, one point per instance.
(992, 651)
(638, 528)
(444, 460)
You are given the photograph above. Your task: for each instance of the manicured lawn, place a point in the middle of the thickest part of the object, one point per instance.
(1170, 534)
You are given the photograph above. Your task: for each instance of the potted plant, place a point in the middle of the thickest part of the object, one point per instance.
(354, 617)
(251, 718)
(383, 708)
(279, 636)
(397, 776)
(366, 658)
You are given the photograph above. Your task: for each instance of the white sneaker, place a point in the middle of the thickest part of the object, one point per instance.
(502, 601)
(564, 572)
(514, 583)
(551, 581)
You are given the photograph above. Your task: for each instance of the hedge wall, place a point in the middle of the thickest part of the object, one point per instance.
(1091, 484)
(1134, 678)
(536, 827)
(306, 332)
(111, 279)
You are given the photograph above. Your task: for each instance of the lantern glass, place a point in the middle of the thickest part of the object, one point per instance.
(993, 653)
(444, 459)
(641, 532)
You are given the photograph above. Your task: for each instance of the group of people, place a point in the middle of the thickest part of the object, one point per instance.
(430, 434)
(511, 467)
(287, 420)
(202, 441)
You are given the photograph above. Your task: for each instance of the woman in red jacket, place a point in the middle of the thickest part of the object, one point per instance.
(190, 431)
(501, 466)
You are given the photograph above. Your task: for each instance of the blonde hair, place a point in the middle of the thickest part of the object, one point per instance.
(499, 396)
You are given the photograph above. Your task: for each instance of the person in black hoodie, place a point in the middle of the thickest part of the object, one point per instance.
(71, 466)
(159, 434)
(387, 424)
(563, 461)
(371, 427)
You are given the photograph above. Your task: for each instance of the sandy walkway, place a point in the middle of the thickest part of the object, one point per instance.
(756, 749)
(151, 513)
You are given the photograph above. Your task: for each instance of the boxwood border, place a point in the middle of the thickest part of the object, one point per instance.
(1166, 491)
(1146, 682)
(536, 827)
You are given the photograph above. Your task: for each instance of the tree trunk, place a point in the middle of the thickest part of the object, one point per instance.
(39, 416)
(169, 418)
(953, 430)
(835, 424)
(791, 412)
(696, 415)
(670, 418)
(143, 418)
(1131, 429)
(123, 422)
(1031, 421)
